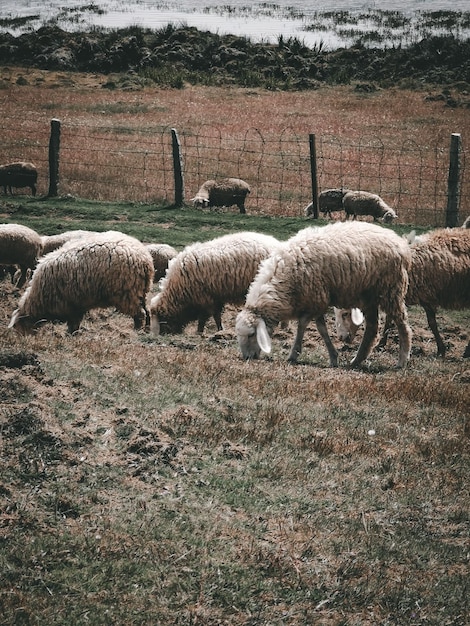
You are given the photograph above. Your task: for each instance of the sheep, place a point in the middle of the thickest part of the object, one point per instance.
(360, 263)
(366, 203)
(328, 200)
(224, 192)
(52, 242)
(19, 245)
(162, 254)
(18, 174)
(204, 277)
(439, 277)
(104, 270)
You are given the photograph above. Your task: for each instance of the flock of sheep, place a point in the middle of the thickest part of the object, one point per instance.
(233, 191)
(353, 203)
(355, 266)
(358, 268)
(229, 192)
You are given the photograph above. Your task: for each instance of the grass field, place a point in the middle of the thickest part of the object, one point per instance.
(163, 480)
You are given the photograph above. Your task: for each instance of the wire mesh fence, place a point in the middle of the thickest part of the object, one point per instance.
(136, 164)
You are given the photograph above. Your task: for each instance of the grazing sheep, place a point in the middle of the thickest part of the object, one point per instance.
(357, 263)
(162, 254)
(19, 174)
(439, 277)
(19, 245)
(328, 200)
(366, 203)
(52, 242)
(204, 277)
(108, 269)
(224, 192)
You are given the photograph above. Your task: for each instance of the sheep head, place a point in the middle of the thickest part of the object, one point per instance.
(389, 216)
(253, 335)
(347, 322)
(23, 324)
(200, 201)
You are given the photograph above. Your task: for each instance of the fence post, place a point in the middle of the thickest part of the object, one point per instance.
(54, 147)
(313, 208)
(453, 182)
(177, 168)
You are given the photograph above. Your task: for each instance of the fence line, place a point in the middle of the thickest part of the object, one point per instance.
(137, 165)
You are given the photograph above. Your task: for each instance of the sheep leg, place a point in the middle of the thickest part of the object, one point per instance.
(297, 345)
(241, 206)
(371, 314)
(22, 278)
(201, 322)
(147, 314)
(388, 326)
(332, 352)
(431, 317)
(404, 334)
(141, 317)
(73, 323)
(218, 319)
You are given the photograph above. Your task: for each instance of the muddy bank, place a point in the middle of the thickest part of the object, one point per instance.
(174, 56)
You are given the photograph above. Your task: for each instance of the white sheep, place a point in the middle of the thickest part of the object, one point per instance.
(366, 203)
(108, 269)
(439, 277)
(328, 200)
(52, 242)
(358, 263)
(19, 245)
(19, 174)
(162, 254)
(224, 192)
(204, 277)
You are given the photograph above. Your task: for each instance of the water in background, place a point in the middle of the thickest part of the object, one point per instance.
(330, 24)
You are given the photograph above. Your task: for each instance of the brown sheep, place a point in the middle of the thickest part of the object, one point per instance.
(224, 192)
(19, 174)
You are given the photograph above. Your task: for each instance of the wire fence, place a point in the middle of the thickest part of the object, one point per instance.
(136, 164)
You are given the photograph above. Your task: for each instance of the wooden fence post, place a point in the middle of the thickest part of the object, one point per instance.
(177, 168)
(54, 147)
(453, 182)
(313, 210)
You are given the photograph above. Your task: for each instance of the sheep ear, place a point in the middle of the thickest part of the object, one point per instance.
(357, 317)
(262, 335)
(14, 317)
